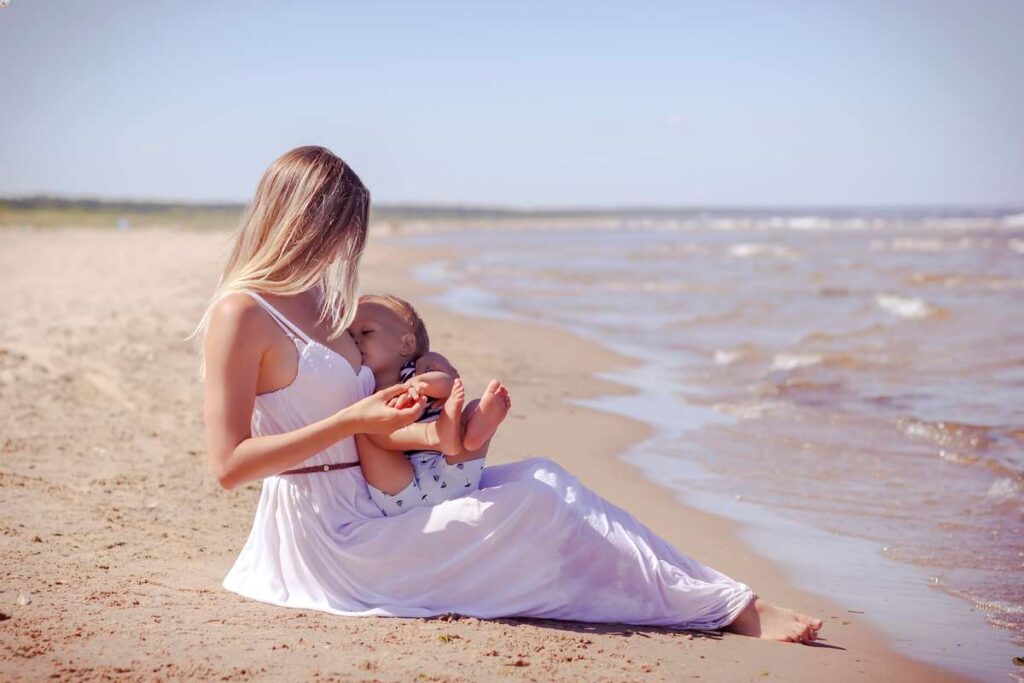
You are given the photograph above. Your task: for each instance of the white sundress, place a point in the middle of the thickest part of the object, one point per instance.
(532, 541)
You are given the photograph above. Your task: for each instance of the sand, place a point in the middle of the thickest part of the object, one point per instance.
(114, 536)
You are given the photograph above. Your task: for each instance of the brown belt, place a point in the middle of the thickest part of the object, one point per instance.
(321, 468)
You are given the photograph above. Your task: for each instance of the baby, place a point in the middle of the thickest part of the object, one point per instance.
(441, 455)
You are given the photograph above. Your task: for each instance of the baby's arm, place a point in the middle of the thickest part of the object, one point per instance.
(432, 360)
(435, 384)
(418, 435)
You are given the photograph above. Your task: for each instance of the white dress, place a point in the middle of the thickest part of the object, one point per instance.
(531, 542)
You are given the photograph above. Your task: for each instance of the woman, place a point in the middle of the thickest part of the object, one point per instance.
(285, 391)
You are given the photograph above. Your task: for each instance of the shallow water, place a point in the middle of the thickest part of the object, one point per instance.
(867, 383)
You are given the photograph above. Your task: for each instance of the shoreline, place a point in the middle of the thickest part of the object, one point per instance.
(849, 573)
(104, 464)
(694, 437)
(619, 473)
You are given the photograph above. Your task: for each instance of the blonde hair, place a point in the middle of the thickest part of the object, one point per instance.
(305, 227)
(404, 310)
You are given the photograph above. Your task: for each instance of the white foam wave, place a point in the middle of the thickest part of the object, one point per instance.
(905, 307)
(1015, 220)
(1016, 245)
(728, 356)
(649, 286)
(751, 411)
(749, 249)
(952, 456)
(1004, 488)
(790, 361)
(930, 244)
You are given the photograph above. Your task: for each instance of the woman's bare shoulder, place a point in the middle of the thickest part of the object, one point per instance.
(237, 318)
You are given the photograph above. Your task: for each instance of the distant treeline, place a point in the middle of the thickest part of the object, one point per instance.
(51, 211)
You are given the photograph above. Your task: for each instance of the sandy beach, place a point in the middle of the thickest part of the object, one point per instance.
(115, 536)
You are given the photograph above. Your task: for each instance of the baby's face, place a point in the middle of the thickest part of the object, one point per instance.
(378, 332)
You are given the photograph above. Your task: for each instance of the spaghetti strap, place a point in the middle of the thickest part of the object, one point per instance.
(288, 325)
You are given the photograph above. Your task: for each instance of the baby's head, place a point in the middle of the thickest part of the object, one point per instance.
(388, 332)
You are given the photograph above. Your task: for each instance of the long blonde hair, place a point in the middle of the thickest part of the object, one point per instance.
(306, 227)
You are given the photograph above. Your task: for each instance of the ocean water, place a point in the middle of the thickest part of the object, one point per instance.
(854, 395)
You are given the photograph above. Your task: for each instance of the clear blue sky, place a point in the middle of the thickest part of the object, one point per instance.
(521, 103)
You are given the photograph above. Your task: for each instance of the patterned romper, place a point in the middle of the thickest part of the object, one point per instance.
(433, 479)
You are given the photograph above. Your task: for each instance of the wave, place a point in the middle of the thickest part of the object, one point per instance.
(947, 433)
(651, 286)
(906, 307)
(1004, 488)
(930, 244)
(968, 444)
(728, 356)
(749, 249)
(790, 361)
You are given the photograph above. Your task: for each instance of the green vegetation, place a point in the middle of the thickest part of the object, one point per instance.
(44, 211)
(59, 211)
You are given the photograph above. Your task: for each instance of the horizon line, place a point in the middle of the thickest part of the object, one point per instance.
(1010, 207)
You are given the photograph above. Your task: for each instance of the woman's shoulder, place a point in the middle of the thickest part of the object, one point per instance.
(235, 308)
(238, 317)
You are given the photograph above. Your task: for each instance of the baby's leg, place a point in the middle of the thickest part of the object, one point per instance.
(390, 479)
(481, 419)
(388, 471)
(417, 436)
(443, 434)
(451, 423)
(488, 413)
(453, 475)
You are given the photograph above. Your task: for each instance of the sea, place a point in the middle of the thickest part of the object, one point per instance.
(849, 387)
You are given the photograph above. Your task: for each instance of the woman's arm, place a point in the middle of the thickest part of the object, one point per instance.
(418, 435)
(236, 340)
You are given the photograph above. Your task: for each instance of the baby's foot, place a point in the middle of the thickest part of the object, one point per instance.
(449, 422)
(490, 412)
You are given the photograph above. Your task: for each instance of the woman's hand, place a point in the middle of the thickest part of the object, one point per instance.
(376, 415)
(411, 395)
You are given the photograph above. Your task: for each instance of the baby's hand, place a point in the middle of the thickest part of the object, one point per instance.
(406, 399)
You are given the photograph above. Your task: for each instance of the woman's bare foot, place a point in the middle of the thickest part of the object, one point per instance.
(491, 410)
(761, 619)
(449, 422)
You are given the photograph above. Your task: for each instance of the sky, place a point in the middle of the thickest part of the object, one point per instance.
(521, 104)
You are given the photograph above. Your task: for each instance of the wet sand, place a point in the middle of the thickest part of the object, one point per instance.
(115, 534)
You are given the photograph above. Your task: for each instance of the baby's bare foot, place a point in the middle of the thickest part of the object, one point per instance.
(492, 409)
(764, 620)
(449, 422)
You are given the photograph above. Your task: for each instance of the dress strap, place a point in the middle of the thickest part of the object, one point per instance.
(288, 325)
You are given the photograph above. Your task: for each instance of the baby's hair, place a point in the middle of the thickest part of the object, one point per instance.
(404, 310)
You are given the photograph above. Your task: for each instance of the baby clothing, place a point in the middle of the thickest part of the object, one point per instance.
(433, 479)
